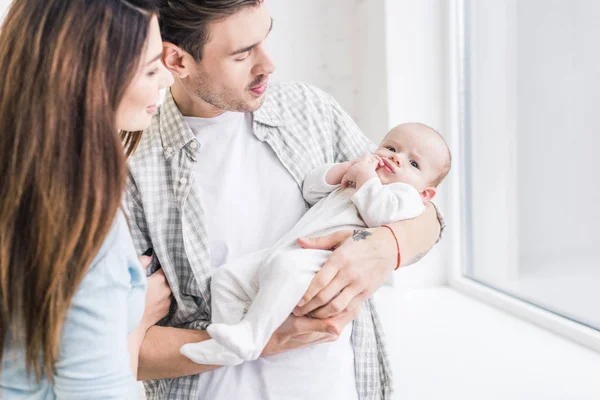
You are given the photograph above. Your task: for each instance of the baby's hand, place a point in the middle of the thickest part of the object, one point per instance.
(362, 169)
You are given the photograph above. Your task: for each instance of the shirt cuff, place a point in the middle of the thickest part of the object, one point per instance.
(322, 182)
(441, 220)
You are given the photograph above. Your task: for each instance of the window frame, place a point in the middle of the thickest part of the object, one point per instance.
(458, 205)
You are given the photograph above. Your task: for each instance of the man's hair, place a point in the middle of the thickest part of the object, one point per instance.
(185, 23)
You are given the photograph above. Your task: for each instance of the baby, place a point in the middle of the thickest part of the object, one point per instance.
(252, 296)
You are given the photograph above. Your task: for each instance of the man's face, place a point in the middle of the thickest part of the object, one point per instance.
(235, 67)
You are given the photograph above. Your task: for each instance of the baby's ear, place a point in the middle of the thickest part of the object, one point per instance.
(428, 194)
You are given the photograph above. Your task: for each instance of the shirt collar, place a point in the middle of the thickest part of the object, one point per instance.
(176, 133)
(266, 114)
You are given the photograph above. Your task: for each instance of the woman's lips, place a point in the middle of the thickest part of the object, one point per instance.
(151, 109)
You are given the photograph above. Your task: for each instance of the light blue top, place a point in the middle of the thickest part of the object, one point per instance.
(93, 361)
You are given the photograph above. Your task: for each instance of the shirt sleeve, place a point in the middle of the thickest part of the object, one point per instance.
(348, 140)
(134, 210)
(380, 204)
(93, 361)
(315, 187)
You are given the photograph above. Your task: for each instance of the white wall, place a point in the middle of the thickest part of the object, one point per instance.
(326, 43)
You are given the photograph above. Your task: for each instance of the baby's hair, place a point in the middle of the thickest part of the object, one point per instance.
(447, 164)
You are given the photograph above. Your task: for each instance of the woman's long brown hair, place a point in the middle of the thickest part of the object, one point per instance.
(65, 66)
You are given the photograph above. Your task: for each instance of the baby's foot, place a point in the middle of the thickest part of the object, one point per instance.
(210, 352)
(238, 338)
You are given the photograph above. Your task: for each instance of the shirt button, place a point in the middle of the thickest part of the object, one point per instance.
(183, 181)
(194, 144)
(169, 149)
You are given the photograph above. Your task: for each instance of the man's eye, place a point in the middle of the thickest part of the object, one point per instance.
(390, 148)
(414, 164)
(243, 56)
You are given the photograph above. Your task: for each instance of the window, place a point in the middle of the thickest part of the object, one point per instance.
(527, 91)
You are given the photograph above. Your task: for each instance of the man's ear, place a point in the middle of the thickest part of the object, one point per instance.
(175, 60)
(428, 193)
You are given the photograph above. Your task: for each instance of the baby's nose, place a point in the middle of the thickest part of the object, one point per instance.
(397, 160)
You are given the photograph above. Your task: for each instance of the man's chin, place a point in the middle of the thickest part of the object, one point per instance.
(255, 103)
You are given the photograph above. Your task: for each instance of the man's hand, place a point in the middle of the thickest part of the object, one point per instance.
(362, 261)
(298, 332)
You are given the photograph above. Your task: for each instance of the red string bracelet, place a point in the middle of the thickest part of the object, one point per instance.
(397, 245)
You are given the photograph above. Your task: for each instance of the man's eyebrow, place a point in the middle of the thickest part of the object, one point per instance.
(248, 48)
(154, 59)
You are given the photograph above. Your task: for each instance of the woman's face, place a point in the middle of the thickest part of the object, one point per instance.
(139, 102)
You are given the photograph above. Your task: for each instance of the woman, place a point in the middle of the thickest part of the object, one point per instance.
(74, 73)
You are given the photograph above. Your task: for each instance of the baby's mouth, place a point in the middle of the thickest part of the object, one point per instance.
(388, 165)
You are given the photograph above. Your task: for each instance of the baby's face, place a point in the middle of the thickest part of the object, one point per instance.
(413, 155)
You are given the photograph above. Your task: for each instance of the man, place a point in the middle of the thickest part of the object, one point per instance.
(217, 176)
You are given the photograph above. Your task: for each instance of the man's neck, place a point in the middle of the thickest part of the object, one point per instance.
(191, 106)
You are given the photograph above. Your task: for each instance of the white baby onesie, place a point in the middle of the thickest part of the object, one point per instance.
(253, 295)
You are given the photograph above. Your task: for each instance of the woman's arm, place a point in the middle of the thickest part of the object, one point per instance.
(93, 360)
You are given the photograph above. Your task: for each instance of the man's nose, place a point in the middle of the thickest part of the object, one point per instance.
(266, 65)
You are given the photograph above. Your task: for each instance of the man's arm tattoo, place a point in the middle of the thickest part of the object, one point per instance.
(360, 234)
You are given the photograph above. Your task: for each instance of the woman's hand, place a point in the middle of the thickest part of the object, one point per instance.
(158, 296)
(297, 332)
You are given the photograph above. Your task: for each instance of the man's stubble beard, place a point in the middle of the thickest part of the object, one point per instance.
(224, 100)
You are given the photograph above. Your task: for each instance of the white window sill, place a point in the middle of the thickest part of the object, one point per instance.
(446, 345)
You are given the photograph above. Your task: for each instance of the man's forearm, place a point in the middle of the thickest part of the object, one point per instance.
(418, 235)
(160, 357)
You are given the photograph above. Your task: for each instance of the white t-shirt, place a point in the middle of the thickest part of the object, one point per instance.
(251, 201)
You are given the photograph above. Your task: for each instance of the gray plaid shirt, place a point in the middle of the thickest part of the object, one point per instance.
(306, 128)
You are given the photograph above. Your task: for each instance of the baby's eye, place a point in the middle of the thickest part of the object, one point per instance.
(414, 164)
(390, 148)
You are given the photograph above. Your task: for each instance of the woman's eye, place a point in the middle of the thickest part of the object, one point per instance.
(152, 73)
(414, 164)
(390, 148)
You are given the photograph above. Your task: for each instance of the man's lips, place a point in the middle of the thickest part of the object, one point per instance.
(260, 88)
(389, 166)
